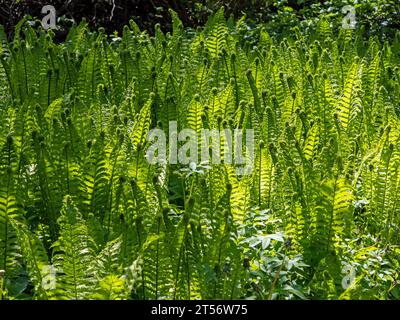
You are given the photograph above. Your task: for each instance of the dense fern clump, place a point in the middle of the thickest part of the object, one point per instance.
(84, 215)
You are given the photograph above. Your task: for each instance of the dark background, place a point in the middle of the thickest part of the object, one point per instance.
(376, 15)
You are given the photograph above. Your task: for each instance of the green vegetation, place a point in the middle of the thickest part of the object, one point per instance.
(83, 215)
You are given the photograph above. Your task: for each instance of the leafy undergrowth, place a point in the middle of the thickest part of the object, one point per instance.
(83, 215)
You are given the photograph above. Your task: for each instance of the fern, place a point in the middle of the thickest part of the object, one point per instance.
(80, 203)
(73, 252)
